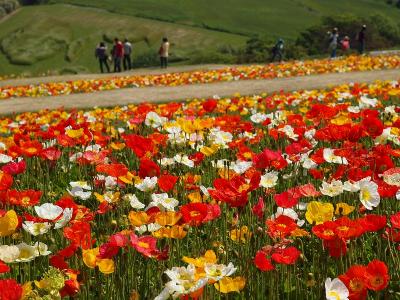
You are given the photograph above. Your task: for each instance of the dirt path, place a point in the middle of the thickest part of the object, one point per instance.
(158, 94)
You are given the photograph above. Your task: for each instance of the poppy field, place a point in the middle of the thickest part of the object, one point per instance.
(268, 71)
(280, 196)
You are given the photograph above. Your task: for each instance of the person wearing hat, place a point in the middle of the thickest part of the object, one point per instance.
(333, 41)
(277, 50)
(361, 39)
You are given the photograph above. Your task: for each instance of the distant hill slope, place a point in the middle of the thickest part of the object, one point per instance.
(63, 37)
(274, 18)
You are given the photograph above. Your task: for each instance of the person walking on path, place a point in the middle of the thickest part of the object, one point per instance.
(118, 54)
(101, 55)
(277, 50)
(361, 39)
(127, 55)
(333, 42)
(164, 53)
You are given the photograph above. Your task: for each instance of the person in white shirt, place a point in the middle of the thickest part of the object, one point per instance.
(164, 53)
(127, 55)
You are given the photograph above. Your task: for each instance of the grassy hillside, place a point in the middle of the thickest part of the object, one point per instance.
(63, 37)
(274, 18)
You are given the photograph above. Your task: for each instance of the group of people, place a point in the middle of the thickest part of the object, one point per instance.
(345, 42)
(121, 55)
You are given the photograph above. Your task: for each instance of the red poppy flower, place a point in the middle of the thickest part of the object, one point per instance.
(395, 220)
(234, 191)
(148, 168)
(114, 170)
(147, 246)
(259, 208)
(269, 158)
(377, 275)
(119, 240)
(373, 222)
(139, 144)
(6, 181)
(286, 199)
(373, 126)
(196, 214)
(197, 158)
(262, 262)
(347, 228)
(286, 256)
(167, 182)
(58, 261)
(354, 279)
(14, 168)
(80, 234)
(51, 154)
(10, 289)
(108, 250)
(210, 105)
(337, 247)
(281, 227)
(325, 231)
(4, 268)
(21, 198)
(30, 148)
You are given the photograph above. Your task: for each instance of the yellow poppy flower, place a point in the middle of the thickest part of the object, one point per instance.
(241, 235)
(106, 266)
(209, 257)
(90, 256)
(229, 284)
(8, 223)
(138, 218)
(169, 218)
(319, 212)
(343, 209)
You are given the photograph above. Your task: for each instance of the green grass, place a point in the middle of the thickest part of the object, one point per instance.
(274, 18)
(63, 38)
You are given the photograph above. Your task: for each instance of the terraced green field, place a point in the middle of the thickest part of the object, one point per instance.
(63, 37)
(284, 18)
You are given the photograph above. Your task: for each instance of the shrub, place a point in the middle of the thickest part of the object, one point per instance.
(381, 33)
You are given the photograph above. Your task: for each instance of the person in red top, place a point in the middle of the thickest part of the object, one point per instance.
(118, 54)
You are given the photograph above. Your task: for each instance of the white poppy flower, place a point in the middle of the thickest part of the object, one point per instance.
(332, 189)
(37, 228)
(9, 254)
(269, 179)
(41, 249)
(148, 184)
(369, 195)
(217, 272)
(330, 157)
(4, 159)
(134, 201)
(48, 211)
(163, 201)
(26, 252)
(66, 217)
(336, 290)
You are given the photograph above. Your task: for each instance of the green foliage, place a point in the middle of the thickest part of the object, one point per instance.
(8, 6)
(381, 32)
